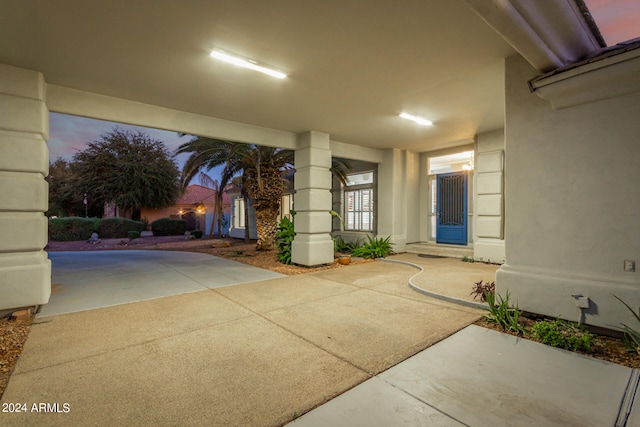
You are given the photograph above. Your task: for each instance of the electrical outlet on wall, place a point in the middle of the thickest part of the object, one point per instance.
(629, 265)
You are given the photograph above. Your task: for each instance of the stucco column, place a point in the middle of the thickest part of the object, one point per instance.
(312, 200)
(25, 270)
(488, 229)
(392, 198)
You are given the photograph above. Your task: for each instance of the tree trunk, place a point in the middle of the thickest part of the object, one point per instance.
(267, 224)
(265, 186)
(247, 231)
(213, 222)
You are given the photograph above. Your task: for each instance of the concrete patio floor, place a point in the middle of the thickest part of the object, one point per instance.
(264, 353)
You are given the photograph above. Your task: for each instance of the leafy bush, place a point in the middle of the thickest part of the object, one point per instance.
(374, 248)
(482, 289)
(339, 245)
(197, 234)
(111, 228)
(133, 235)
(563, 334)
(503, 314)
(71, 228)
(284, 237)
(632, 336)
(168, 227)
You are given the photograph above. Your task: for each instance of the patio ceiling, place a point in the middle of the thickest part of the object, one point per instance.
(353, 66)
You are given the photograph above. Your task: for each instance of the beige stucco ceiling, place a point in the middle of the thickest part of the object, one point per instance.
(353, 65)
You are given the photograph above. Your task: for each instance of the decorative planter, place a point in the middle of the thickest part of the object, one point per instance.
(344, 259)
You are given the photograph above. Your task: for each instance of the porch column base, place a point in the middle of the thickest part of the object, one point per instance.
(312, 249)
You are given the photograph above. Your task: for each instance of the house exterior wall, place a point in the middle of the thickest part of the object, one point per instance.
(572, 203)
(25, 270)
(239, 232)
(398, 195)
(488, 194)
(151, 215)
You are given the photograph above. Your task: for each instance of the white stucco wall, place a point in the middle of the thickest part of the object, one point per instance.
(398, 197)
(488, 228)
(572, 203)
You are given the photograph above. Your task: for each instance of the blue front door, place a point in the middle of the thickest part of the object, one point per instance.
(451, 206)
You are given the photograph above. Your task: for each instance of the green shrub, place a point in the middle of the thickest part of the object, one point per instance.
(339, 245)
(133, 234)
(115, 228)
(71, 228)
(284, 237)
(374, 248)
(631, 335)
(563, 334)
(503, 313)
(168, 227)
(197, 234)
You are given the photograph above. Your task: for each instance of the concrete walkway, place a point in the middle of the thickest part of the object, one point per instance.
(267, 352)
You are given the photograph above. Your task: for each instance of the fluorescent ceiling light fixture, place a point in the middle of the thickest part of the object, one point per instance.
(416, 119)
(246, 63)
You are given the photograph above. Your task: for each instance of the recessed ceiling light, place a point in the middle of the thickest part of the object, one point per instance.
(246, 63)
(416, 119)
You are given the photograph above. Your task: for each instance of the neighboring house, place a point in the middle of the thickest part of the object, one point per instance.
(532, 158)
(196, 206)
(238, 221)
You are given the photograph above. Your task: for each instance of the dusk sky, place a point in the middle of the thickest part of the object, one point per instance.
(616, 19)
(70, 134)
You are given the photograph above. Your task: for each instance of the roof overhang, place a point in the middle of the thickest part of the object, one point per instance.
(612, 73)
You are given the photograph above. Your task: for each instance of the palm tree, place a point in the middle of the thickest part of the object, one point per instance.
(207, 154)
(261, 169)
(207, 181)
(263, 180)
(340, 168)
(261, 173)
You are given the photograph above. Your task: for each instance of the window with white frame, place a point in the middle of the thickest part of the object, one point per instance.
(286, 206)
(359, 202)
(238, 213)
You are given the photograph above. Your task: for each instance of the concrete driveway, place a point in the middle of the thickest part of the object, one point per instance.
(254, 354)
(267, 352)
(93, 279)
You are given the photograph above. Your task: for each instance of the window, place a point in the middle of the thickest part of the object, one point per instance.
(286, 206)
(359, 202)
(238, 213)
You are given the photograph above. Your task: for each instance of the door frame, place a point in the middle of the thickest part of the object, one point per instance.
(452, 234)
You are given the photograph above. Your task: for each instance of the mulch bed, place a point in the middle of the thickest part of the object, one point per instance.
(605, 347)
(13, 335)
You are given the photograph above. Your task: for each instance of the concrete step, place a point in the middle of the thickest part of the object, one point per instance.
(436, 249)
